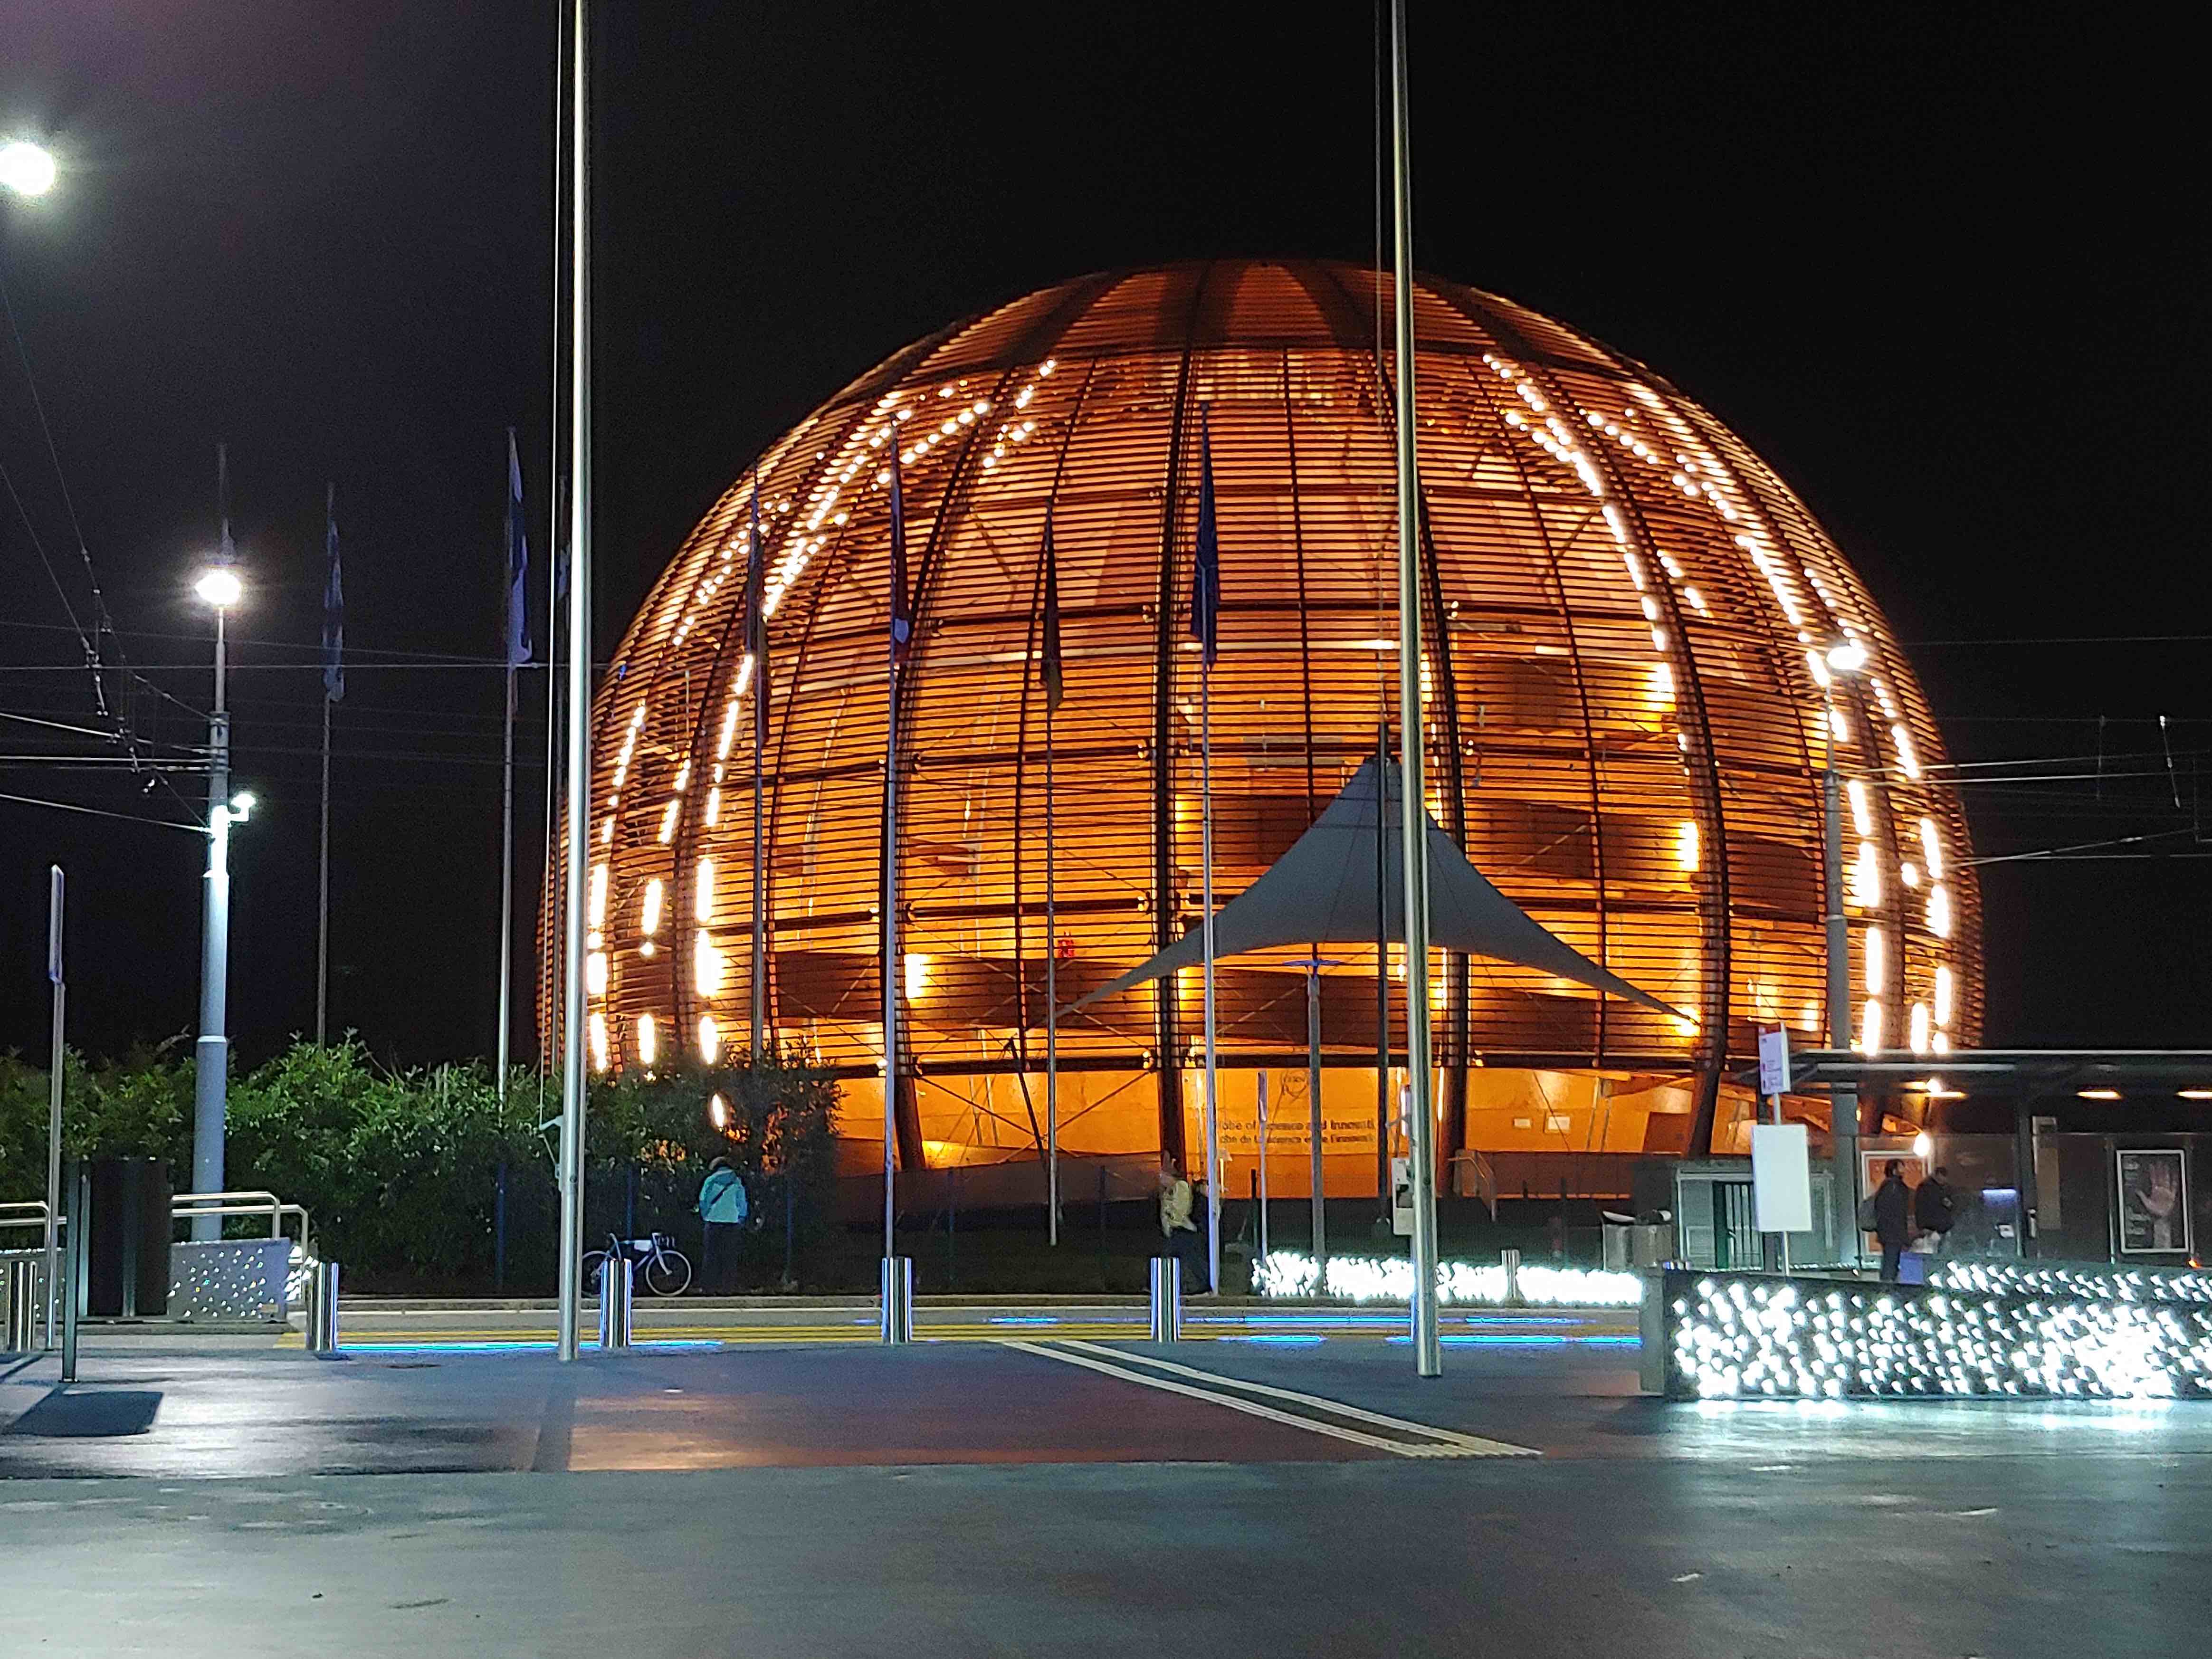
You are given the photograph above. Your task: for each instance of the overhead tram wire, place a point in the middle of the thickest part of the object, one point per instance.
(98, 812)
(103, 621)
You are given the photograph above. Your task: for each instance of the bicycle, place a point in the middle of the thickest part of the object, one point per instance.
(662, 1269)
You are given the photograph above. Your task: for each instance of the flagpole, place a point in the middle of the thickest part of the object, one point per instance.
(896, 1315)
(507, 886)
(892, 967)
(758, 615)
(333, 688)
(1205, 857)
(507, 802)
(1428, 1352)
(579, 691)
(323, 895)
(1205, 626)
(1051, 1000)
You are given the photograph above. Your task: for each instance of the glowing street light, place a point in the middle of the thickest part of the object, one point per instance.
(26, 168)
(219, 586)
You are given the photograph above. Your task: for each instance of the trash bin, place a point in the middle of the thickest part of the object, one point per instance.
(127, 1235)
(1630, 1244)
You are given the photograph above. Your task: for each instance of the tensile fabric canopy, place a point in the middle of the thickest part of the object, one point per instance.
(1324, 891)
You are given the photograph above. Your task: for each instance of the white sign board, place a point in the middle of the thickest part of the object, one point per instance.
(1401, 1197)
(1774, 1062)
(1781, 1178)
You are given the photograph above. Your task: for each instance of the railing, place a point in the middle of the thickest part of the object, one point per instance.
(185, 1206)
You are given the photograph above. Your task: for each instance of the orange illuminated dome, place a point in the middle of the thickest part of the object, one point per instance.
(1629, 617)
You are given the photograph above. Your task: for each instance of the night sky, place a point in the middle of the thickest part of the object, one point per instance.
(1947, 271)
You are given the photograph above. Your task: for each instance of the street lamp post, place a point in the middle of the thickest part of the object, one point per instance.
(1844, 661)
(220, 589)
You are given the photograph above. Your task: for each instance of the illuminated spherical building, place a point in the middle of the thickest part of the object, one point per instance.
(1630, 707)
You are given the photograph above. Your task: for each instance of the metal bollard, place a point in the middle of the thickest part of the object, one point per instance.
(1511, 1261)
(898, 1298)
(615, 1282)
(322, 1332)
(20, 1287)
(1167, 1299)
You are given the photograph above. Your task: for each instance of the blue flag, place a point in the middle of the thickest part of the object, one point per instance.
(1049, 663)
(333, 602)
(901, 603)
(1206, 572)
(518, 565)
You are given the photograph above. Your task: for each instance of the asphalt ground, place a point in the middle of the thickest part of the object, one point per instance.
(1040, 1494)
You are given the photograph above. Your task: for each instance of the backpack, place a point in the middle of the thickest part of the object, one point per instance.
(1867, 1216)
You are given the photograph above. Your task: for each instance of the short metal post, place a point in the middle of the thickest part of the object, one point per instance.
(898, 1298)
(322, 1332)
(615, 1283)
(1167, 1299)
(1511, 1261)
(80, 1258)
(21, 1289)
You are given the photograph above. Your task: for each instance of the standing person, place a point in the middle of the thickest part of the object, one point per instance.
(1935, 1208)
(1893, 1218)
(1176, 1201)
(723, 1207)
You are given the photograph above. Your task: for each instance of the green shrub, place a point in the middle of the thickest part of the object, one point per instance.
(405, 1174)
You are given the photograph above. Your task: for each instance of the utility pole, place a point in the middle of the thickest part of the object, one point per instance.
(579, 686)
(1414, 818)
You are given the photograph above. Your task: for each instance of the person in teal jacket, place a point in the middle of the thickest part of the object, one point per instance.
(723, 1207)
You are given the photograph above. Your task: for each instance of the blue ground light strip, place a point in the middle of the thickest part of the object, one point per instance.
(1494, 1340)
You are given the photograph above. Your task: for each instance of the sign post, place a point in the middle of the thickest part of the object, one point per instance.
(1781, 1177)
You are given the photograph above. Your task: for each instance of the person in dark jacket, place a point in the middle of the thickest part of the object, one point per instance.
(1893, 1218)
(1935, 1208)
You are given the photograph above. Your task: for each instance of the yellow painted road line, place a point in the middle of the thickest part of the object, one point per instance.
(435, 1335)
(751, 1334)
(1254, 1409)
(1472, 1445)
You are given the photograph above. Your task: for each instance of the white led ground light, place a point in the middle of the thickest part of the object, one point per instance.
(1390, 1278)
(2092, 1283)
(1755, 1338)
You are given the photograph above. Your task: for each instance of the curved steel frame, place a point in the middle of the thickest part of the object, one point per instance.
(1626, 610)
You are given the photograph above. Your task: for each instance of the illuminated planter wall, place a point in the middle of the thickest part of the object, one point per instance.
(1749, 1336)
(1293, 1273)
(1630, 707)
(2093, 1280)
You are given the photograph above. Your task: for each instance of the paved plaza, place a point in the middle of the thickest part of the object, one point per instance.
(1044, 1494)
